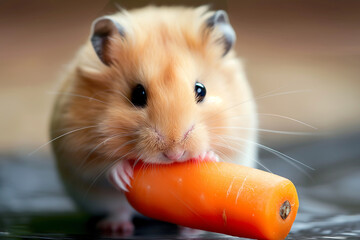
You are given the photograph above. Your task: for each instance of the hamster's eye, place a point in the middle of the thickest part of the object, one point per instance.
(138, 96)
(200, 92)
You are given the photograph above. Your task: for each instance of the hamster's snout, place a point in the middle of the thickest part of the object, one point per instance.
(172, 144)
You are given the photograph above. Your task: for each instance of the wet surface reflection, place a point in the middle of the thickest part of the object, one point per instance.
(33, 204)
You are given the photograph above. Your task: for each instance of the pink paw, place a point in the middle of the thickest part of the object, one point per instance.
(122, 228)
(210, 156)
(121, 174)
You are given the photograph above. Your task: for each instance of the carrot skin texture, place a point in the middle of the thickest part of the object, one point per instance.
(215, 196)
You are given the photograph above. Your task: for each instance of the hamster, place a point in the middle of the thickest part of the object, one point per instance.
(157, 84)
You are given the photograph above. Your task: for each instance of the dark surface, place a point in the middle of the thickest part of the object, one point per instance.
(33, 204)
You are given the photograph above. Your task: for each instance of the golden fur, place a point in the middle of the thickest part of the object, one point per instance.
(166, 49)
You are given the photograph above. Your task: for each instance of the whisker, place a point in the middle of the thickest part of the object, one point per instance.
(283, 93)
(121, 146)
(138, 160)
(103, 171)
(289, 118)
(112, 154)
(241, 152)
(267, 95)
(263, 166)
(266, 130)
(77, 95)
(62, 135)
(285, 159)
(275, 152)
(121, 94)
(98, 145)
(222, 155)
(274, 115)
(118, 92)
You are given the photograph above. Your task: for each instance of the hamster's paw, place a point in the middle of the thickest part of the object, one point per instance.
(189, 232)
(118, 223)
(116, 228)
(121, 174)
(210, 156)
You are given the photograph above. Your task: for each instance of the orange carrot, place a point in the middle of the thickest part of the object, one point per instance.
(218, 197)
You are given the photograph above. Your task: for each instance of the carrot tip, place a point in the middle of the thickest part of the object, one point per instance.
(285, 210)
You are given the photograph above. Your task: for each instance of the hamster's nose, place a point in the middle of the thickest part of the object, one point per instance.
(174, 154)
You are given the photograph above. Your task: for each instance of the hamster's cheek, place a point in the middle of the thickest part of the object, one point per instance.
(198, 142)
(214, 100)
(157, 159)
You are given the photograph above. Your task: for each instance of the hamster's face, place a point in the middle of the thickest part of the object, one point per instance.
(165, 103)
(167, 95)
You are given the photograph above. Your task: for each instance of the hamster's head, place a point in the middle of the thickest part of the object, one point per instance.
(166, 84)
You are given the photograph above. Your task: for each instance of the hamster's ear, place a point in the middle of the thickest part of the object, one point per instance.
(220, 22)
(103, 29)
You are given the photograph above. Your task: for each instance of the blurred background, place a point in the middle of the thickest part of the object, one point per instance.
(309, 47)
(304, 55)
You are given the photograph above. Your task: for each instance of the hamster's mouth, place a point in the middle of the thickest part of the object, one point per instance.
(122, 173)
(204, 156)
